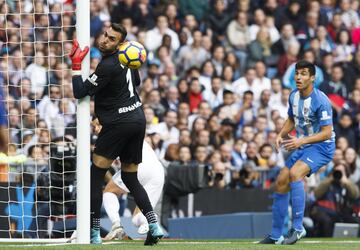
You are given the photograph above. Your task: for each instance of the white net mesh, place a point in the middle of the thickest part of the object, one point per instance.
(37, 194)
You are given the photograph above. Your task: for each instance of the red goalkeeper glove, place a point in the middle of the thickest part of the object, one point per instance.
(77, 55)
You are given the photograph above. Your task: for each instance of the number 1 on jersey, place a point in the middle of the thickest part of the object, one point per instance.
(129, 81)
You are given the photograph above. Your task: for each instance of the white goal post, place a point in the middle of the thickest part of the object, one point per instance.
(83, 130)
(33, 51)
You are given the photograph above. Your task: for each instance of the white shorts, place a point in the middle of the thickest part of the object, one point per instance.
(150, 175)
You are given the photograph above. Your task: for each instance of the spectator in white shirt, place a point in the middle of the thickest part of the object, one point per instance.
(282, 107)
(194, 54)
(154, 36)
(167, 130)
(37, 74)
(214, 96)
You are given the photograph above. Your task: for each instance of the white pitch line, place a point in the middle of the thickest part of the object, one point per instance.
(331, 241)
(38, 245)
(186, 243)
(179, 242)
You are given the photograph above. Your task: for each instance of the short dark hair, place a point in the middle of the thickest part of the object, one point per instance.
(305, 65)
(121, 29)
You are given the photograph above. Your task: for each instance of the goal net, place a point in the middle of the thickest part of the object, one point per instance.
(38, 177)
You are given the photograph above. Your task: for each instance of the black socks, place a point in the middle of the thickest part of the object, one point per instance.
(138, 192)
(96, 184)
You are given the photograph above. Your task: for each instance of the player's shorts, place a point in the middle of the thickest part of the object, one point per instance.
(315, 156)
(122, 140)
(151, 177)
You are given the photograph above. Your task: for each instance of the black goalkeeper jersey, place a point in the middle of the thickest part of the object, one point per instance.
(114, 88)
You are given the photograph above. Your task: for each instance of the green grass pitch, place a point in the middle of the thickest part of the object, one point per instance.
(309, 243)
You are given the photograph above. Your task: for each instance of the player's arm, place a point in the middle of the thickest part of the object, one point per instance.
(287, 128)
(95, 81)
(323, 135)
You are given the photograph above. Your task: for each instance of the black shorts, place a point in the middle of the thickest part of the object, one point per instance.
(123, 140)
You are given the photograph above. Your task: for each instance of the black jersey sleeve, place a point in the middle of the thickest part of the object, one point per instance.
(79, 87)
(100, 78)
(95, 82)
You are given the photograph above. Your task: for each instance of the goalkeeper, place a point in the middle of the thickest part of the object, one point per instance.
(118, 108)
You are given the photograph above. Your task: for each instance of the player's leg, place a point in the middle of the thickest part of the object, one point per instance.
(99, 168)
(297, 174)
(312, 159)
(129, 177)
(112, 206)
(279, 208)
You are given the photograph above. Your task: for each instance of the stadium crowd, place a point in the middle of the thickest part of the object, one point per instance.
(214, 89)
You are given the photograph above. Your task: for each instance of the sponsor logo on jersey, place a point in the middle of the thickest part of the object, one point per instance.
(93, 79)
(325, 115)
(130, 108)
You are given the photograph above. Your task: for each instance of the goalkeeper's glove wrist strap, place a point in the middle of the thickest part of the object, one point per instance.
(76, 72)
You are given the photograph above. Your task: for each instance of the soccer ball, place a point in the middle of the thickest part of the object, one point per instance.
(132, 54)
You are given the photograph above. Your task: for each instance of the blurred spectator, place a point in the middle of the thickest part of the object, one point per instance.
(217, 21)
(342, 143)
(353, 161)
(354, 107)
(225, 134)
(204, 112)
(218, 176)
(336, 84)
(218, 56)
(167, 130)
(237, 154)
(195, 95)
(343, 47)
(37, 75)
(238, 35)
(171, 12)
(95, 20)
(214, 95)
(126, 8)
(334, 197)
(184, 155)
(200, 154)
(292, 14)
(247, 112)
(264, 103)
(326, 43)
(154, 101)
(172, 98)
(260, 48)
(260, 20)
(155, 35)
(286, 37)
(344, 128)
(192, 55)
(245, 83)
(290, 57)
(349, 16)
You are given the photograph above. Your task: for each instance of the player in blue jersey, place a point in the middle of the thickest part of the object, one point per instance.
(310, 114)
(4, 139)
